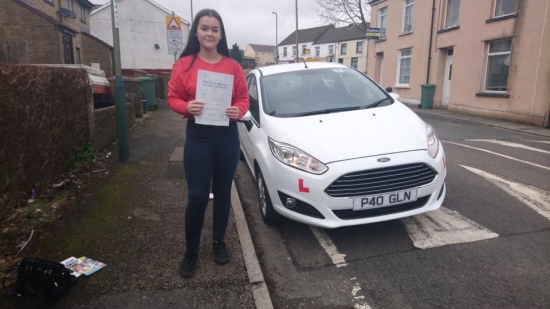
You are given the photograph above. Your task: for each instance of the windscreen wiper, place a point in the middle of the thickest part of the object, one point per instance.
(375, 104)
(328, 111)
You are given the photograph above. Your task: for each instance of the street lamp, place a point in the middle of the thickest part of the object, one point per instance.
(276, 40)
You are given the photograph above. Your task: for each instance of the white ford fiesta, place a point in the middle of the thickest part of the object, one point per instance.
(329, 147)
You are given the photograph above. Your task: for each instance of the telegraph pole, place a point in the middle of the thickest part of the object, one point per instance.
(120, 92)
(297, 50)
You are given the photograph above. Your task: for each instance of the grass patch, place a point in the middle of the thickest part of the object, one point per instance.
(80, 155)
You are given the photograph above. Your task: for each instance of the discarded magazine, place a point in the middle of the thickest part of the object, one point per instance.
(82, 265)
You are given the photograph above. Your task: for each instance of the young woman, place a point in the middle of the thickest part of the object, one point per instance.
(211, 153)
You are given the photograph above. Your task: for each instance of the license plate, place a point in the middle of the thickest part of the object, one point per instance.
(384, 200)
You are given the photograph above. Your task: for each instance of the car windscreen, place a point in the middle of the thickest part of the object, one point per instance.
(318, 91)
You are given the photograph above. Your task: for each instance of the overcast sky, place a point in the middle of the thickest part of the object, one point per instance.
(250, 21)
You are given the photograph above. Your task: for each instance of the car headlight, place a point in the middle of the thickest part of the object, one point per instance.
(433, 141)
(296, 158)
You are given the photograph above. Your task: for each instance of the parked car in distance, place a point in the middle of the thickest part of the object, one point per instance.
(329, 147)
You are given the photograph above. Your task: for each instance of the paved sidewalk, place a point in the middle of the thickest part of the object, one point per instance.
(514, 126)
(133, 220)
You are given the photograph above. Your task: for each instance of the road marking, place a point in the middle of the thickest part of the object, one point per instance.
(537, 199)
(508, 144)
(444, 227)
(544, 142)
(501, 155)
(356, 288)
(337, 258)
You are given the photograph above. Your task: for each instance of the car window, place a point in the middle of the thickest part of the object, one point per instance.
(253, 95)
(307, 91)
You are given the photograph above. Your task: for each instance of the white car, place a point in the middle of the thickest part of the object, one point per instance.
(328, 147)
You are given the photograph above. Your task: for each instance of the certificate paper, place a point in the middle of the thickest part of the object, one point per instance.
(215, 90)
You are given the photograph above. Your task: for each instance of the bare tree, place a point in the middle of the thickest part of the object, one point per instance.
(344, 12)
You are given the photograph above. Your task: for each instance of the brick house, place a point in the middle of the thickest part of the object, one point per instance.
(51, 32)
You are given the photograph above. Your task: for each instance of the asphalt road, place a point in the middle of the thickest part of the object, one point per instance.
(488, 247)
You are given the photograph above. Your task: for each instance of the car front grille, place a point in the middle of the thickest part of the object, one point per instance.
(350, 214)
(382, 180)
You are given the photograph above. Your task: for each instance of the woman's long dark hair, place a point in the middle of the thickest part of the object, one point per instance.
(193, 46)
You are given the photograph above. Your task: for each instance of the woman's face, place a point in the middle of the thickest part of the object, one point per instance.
(209, 32)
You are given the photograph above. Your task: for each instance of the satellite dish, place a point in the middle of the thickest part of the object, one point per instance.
(67, 13)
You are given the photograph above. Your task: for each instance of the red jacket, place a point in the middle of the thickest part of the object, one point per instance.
(182, 86)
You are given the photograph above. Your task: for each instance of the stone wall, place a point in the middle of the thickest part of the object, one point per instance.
(103, 127)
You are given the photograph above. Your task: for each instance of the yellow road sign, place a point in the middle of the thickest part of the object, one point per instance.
(173, 22)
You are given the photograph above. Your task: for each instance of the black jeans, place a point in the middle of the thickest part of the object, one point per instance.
(211, 155)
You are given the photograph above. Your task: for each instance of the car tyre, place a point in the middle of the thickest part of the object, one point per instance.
(269, 215)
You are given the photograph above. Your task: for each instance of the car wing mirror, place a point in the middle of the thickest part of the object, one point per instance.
(247, 117)
(389, 89)
(395, 96)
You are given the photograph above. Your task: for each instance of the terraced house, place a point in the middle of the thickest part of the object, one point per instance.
(51, 32)
(489, 58)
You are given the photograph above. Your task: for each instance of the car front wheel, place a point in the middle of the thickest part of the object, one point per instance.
(269, 215)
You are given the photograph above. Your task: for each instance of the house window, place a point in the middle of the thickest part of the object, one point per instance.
(82, 13)
(344, 48)
(451, 18)
(498, 64)
(69, 5)
(340, 60)
(404, 69)
(284, 52)
(383, 21)
(505, 7)
(406, 23)
(304, 47)
(354, 62)
(293, 51)
(331, 49)
(317, 51)
(359, 47)
(78, 56)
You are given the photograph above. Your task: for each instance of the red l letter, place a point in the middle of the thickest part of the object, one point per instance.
(301, 187)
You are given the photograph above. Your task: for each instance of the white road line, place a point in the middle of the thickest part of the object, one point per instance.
(544, 142)
(508, 144)
(444, 227)
(501, 155)
(354, 292)
(337, 258)
(537, 199)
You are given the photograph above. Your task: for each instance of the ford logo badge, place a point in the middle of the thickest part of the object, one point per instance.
(384, 160)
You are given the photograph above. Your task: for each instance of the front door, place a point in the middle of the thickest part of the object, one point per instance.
(68, 54)
(448, 77)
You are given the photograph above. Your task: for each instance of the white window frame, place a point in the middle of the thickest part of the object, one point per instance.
(357, 62)
(293, 51)
(489, 54)
(495, 10)
(359, 43)
(304, 47)
(285, 52)
(405, 6)
(445, 26)
(331, 49)
(342, 46)
(317, 51)
(383, 13)
(399, 58)
(69, 4)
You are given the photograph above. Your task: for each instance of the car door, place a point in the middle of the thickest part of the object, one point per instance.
(248, 129)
